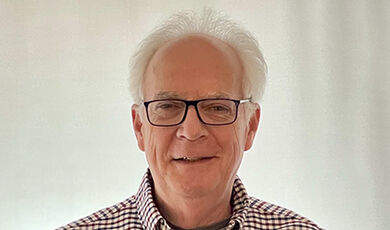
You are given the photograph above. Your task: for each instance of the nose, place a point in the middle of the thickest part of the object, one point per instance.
(192, 128)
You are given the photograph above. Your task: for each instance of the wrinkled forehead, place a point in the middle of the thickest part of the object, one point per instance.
(176, 95)
(194, 65)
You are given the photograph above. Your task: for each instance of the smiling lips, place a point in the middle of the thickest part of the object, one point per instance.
(192, 159)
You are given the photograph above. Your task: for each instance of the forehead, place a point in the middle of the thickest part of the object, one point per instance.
(192, 67)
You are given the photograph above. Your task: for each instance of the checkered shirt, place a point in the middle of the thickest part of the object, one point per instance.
(140, 212)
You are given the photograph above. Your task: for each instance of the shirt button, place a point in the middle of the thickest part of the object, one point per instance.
(163, 224)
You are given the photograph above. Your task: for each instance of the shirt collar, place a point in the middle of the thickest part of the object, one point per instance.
(146, 208)
(240, 203)
(151, 217)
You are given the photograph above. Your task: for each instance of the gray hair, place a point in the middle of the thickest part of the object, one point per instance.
(212, 24)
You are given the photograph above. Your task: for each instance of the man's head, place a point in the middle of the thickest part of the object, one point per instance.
(207, 23)
(192, 158)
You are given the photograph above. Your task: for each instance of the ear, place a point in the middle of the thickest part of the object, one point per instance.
(253, 125)
(137, 126)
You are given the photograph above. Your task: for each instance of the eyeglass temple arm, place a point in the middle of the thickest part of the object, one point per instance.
(245, 100)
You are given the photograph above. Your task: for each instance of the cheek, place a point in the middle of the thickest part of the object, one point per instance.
(236, 151)
(241, 129)
(157, 143)
(240, 136)
(239, 143)
(232, 141)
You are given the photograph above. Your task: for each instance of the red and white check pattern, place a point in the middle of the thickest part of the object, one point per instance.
(140, 212)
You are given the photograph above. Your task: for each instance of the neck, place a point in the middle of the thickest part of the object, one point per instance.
(193, 212)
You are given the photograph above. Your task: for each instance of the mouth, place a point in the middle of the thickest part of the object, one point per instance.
(192, 159)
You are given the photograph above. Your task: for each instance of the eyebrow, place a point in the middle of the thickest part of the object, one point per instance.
(166, 95)
(174, 95)
(219, 95)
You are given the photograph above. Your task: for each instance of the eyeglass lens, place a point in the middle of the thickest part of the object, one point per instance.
(170, 112)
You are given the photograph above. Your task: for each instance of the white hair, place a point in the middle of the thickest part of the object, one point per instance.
(212, 24)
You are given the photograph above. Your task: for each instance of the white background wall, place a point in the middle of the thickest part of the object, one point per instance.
(66, 143)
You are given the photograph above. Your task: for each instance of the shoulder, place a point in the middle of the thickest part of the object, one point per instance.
(120, 214)
(270, 216)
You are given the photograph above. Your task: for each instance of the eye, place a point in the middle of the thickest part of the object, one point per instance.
(218, 108)
(170, 105)
(165, 105)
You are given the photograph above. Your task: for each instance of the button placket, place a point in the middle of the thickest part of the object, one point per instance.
(164, 225)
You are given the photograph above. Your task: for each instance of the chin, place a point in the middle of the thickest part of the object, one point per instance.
(196, 185)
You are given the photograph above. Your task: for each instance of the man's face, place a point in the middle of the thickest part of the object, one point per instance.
(192, 68)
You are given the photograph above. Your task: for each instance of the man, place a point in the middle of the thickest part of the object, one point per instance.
(195, 81)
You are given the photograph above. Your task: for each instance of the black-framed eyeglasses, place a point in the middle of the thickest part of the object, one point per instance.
(210, 111)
